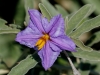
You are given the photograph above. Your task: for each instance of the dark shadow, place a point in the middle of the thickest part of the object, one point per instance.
(7, 9)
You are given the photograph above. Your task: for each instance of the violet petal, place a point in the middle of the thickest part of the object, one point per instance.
(56, 26)
(48, 56)
(54, 46)
(64, 42)
(34, 30)
(36, 18)
(26, 39)
(28, 36)
(45, 23)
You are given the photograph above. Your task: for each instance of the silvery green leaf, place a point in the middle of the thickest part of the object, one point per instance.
(62, 10)
(50, 8)
(96, 3)
(23, 66)
(87, 55)
(81, 45)
(45, 11)
(86, 26)
(4, 29)
(78, 17)
(95, 38)
(66, 23)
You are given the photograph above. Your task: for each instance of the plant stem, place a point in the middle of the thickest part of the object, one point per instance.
(75, 71)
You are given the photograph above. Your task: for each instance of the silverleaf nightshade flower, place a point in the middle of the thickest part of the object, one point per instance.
(49, 37)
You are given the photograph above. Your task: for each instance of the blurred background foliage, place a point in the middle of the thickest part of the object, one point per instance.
(15, 17)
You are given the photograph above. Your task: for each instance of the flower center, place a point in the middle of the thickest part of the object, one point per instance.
(42, 41)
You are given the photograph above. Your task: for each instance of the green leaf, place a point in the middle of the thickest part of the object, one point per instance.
(23, 67)
(78, 16)
(94, 63)
(14, 26)
(66, 23)
(97, 69)
(87, 55)
(62, 10)
(44, 11)
(96, 3)
(95, 38)
(71, 14)
(86, 26)
(19, 13)
(81, 45)
(4, 29)
(8, 31)
(13, 55)
(50, 8)
(4, 48)
(28, 4)
(84, 72)
(2, 22)
(9, 50)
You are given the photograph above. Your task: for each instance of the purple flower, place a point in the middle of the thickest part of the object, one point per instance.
(49, 37)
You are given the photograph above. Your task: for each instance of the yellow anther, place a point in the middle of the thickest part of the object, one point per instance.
(42, 41)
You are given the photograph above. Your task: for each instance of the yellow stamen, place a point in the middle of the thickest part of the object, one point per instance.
(42, 41)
